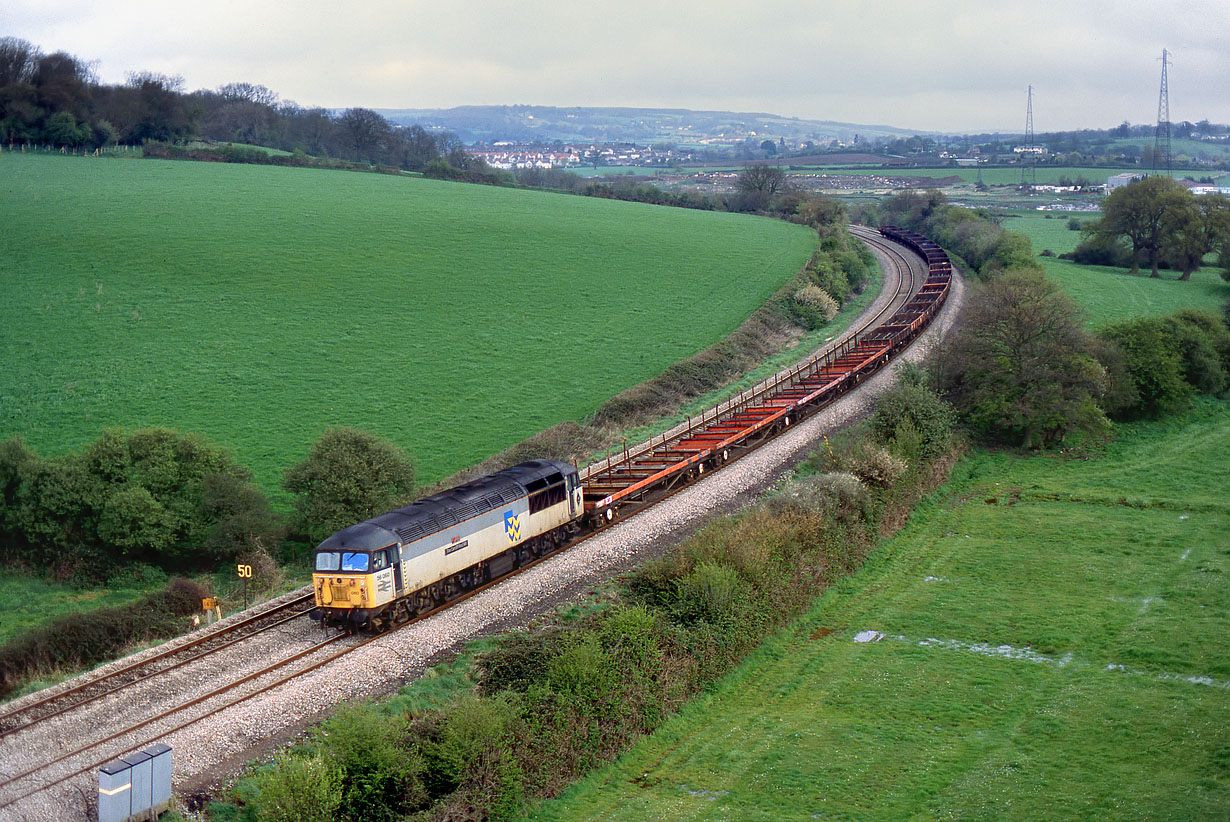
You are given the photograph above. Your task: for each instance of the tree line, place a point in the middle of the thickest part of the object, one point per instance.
(56, 99)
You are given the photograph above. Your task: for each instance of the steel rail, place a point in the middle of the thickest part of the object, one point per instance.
(245, 697)
(132, 671)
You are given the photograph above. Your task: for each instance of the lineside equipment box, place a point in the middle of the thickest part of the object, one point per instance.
(136, 787)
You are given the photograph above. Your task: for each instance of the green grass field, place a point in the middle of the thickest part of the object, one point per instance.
(258, 305)
(30, 601)
(1109, 295)
(1054, 644)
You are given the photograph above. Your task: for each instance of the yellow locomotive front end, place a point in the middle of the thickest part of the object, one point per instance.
(352, 587)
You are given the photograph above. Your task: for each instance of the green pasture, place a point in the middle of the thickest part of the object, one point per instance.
(1047, 229)
(1109, 295)
(1053, 643)
(31, 600)
(1180, 147)
(259, 305)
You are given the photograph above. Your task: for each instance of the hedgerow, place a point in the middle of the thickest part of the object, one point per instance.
(85, 639)
(150, 496)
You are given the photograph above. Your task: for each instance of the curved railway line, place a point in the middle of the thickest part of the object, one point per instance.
(615, 487)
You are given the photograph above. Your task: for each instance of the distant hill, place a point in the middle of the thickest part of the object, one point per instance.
(634, 125)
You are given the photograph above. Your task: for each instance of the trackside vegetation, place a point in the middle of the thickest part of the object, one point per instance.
(544, 706)
(81, 640)
(1046, 639)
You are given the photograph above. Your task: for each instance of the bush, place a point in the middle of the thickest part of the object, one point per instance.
(1204, 345)
(299, 789)
(913, 420)
(875, 466)
(347, 477)
(85, 639)
(1153, 363)
(855, 269)
(377, 778)
(1099, 249)
(148, 496)
(471, 739)
(812, 308)
(712, 593)
(834, 283)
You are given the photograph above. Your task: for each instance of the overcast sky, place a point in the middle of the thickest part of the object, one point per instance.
(943, 66)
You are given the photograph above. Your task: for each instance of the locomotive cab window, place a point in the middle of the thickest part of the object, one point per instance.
(355, 561)
(328, 561)
(380, 560)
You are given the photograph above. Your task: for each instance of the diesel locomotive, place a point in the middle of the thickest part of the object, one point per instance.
(383, 571)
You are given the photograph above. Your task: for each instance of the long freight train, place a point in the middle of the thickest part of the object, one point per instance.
(385, 570)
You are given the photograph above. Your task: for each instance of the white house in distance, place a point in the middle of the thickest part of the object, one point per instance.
(1120, 180)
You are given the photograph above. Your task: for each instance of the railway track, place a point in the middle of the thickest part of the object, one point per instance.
(79, 758)
(56, 701)
(621, 484)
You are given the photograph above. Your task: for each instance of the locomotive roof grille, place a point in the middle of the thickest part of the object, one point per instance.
(411, 532)
(449, 508)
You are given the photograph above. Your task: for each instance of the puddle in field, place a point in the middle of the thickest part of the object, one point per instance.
(1194, 679)
(1030, 655)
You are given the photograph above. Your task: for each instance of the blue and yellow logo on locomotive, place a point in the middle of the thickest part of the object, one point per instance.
(512, 526)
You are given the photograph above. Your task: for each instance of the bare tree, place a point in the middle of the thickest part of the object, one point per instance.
(366, 131)
(761, 178)
(18, 60)
(248, 93)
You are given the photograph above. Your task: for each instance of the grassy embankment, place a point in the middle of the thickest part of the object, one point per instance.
(260, 305)
(1055, 644)
(1052, 642)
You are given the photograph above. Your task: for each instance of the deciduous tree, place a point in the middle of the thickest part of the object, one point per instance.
(348, 476)
(1021, 367)
(1138, 211)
